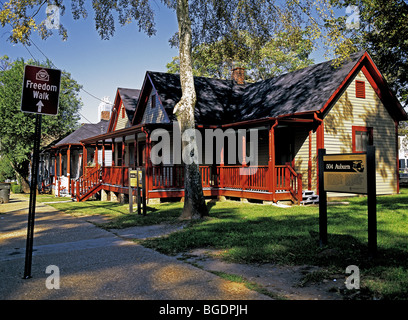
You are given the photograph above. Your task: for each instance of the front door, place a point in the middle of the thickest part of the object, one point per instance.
(284, 146)
(141, 153)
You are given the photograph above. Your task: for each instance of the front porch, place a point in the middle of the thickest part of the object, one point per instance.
(168, 182)
(285, 152)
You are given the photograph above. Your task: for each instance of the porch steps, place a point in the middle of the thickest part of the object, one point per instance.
(90, 192)
(309, 197)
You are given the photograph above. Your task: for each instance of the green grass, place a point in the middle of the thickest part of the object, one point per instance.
(255, 233)
(119, 213)
(250, 233)
(47, 198)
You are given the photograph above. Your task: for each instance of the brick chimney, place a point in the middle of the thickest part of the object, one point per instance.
(238, 75)
(105, 115)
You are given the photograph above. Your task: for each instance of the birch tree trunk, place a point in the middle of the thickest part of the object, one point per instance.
(194, 202)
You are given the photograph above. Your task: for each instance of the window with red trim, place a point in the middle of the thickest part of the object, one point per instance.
(123, 112)
(360, 89)
(362, 137)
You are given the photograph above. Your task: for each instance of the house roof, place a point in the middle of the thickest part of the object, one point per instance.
(306, 90)
(300, 91)
(130, 98)
(87, 130)
(214, 97)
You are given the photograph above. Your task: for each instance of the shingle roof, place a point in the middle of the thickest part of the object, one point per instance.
(223, 101)
(130, 98)
(303, 90)
(87, 130)
(213, 96)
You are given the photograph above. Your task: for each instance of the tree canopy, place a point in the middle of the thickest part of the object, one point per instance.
(281, 54)
(381, 28)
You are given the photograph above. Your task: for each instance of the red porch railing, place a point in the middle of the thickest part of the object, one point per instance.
(168, 177)
(245, 178)
(86, 183)
(289, 180)
(115, 176)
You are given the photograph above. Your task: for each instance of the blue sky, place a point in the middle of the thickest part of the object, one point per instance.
(101, 66)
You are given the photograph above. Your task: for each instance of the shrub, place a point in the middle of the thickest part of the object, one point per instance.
(16, 188)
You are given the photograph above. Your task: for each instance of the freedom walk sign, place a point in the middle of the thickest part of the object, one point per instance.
(41, 87)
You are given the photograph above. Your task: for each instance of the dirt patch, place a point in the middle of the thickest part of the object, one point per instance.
(146, 232)
(284, 282)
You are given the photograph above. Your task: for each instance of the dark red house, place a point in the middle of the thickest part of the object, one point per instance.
(341, 109)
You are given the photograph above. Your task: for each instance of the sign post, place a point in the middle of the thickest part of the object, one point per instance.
(322, 201)
(40, 95)
(348, 173)
(137, 179)
(371, 202)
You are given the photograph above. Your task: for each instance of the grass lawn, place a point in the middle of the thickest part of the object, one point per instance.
(255, 233)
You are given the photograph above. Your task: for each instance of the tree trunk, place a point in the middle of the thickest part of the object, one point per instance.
(194, 202)
(22, 175)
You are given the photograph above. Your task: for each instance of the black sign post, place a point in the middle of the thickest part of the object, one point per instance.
(349, 173)
(40, 95)
(141, 187)
(33, 194)
(322, 201)
(371, 202)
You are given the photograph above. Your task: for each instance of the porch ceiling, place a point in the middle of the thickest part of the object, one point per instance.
(115, 134)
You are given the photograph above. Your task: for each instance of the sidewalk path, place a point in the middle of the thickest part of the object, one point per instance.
(95, 264)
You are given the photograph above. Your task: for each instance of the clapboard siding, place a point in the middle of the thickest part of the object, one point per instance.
(122, 122)
(302, 156)
(350, 111)
(155, 114)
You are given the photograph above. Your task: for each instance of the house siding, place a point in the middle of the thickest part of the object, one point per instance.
(302, 157)
(121, 122)
(350, 111)
(156, 114)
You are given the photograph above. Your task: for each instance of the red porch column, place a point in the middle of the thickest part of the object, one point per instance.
(69, 168)
(221, 185)
(148, 163)
(243, 151)
(55, 168)
(103, 153)
(60, 172)
(244, 178)
(123, 160)
(55, 172)
(309, 164)
(60, 163)
(84, 159)
(135, 151)
(113, 152)
(319, 145)
(96, 154)
(271, 163)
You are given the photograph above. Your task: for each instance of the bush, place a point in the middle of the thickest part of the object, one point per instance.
(16, 188)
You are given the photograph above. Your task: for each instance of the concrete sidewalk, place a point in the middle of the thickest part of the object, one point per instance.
(95, 264)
